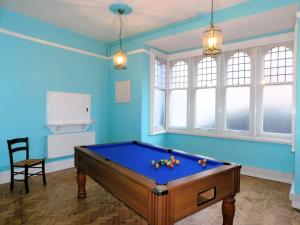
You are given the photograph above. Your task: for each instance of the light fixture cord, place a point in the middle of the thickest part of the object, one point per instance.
(121, 28)
(212, 13)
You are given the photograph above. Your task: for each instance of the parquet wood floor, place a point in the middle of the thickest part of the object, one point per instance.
(260, 202)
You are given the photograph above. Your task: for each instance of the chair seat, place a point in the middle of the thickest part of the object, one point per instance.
(28, 162)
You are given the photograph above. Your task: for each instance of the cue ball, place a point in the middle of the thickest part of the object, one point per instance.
(152, 162)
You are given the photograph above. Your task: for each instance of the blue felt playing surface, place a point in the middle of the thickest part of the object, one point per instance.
(138, 157)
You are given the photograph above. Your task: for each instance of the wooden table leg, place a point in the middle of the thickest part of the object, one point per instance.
(81, 180)
(228, 210)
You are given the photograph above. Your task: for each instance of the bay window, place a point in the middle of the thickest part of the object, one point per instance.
(241, 94)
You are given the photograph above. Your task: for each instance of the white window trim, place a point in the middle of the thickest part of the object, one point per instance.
(153, 55)
(169, 90)
(260, 64)
(254, 133)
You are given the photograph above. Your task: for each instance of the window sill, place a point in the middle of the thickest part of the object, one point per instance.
(152, 133)
(234, 136)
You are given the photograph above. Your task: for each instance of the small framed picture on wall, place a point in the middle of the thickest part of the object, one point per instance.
(122, 92)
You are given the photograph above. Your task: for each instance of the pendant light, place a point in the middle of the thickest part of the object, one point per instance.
(120, 57)
(212, 37)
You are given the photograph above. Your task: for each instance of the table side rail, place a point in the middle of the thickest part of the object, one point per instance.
(130, 190)
(189, 197)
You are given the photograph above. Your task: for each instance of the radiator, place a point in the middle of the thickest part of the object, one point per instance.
(60, 145)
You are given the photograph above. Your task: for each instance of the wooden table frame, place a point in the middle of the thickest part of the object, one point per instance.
(161, 204)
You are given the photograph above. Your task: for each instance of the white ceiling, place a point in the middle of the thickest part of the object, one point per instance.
(93, 18)
(245, 27)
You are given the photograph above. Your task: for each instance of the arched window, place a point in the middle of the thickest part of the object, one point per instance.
(238, 92)
(277, 90)
(178, 94)
(206, 81)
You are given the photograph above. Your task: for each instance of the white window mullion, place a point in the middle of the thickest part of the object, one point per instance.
(221, 93)
(191, 95)
(253, 92)
(168, 95)
(259, 93)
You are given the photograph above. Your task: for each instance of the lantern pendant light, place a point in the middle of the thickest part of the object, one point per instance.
(212, 37)
(120, 57)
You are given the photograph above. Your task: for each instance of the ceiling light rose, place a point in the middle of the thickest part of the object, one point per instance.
(212, 37)
(120, 57)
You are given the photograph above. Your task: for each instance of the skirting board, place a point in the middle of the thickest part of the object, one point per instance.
(50, 167)
(295, 199)
(267, 174)
(249, 171)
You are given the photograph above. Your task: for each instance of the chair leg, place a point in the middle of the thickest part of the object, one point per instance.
(44, 173)
(11, 178)
(26, 179)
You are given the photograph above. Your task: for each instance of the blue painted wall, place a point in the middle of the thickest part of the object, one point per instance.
(28, 70)
(131, 121)
(124, 120)
(248, 153)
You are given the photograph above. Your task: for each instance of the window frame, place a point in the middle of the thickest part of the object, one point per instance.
(153, 55)
(259, 123)
(227, 55)
(256, 50)
(169, 90)
(194, 87)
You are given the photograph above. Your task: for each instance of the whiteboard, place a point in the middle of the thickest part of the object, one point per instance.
(68, 108)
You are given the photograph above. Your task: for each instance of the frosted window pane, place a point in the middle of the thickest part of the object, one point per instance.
(159, 109)
(178, 108)
(205, 108)
(237, 108)
(277, 109)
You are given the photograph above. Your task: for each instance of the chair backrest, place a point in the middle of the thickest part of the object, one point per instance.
(16, 145)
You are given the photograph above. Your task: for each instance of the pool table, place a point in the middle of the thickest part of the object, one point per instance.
(161, 195)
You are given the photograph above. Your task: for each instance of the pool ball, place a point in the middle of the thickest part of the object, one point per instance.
(177, 162)
(153, 162)
(171, 166)
(173, 160)
(200, 161)
(156, 165)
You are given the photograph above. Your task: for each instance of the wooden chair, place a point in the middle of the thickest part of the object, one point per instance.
(22, 144)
